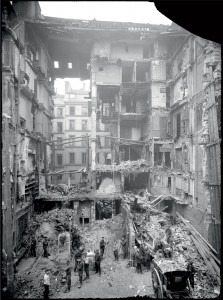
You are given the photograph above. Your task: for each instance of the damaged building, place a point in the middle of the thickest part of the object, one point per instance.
(150, 124)
(27, 111)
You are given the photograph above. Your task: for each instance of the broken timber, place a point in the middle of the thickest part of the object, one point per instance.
(156, 199)
(208, 257)
(188, 223)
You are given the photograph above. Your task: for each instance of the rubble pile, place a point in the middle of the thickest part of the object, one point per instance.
(61, 190)
(110, 229)
(30, 283)
(50, 224)
(83, 187)
(184, 250)
(126, 167)
(137, 166)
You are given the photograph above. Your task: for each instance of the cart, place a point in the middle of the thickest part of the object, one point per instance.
(172, 284)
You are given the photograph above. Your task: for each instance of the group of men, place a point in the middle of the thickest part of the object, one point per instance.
(142, 256)
(82, 263)
(81, 266)
(116, 249)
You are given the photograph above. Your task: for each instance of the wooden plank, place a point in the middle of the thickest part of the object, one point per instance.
(164, 208)
(218, 159)
(212, 93)
(200, 250)
(215, 123)
(187, 223)
(156, 199)
(205, 247)
(210, 126)
(158, 202)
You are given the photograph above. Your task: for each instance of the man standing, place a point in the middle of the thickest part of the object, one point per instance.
(45, 245)
(138, 262)
(68, 276)
(124, 244)
(46, 282)
(98, 262)
(86, 266)
(191, 268)
(33, 247)
(102, 247)
(80, 268)
(115, 250)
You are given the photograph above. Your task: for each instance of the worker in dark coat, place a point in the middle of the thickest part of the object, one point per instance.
(138, 260)
(124, 247)
(191, 268)
(33, 247)
(134, 255)
(68, 276)
(45, 245)
(77, 255)
(98, 262)
(80, 269)
(102, 247)
(115, 250)
(86, 265)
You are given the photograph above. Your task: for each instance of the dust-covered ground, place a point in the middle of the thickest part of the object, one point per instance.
(117, 278)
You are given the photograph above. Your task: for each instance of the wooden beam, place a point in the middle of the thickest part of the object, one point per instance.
(188, 224)
(8, 226)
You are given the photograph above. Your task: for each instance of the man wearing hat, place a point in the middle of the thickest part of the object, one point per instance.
(86, 265)
(46, 282)
(98, 262)
(138, 260)
(124, 247)
(102, 247)
(68, 275)
(191, 268)
(80, 268)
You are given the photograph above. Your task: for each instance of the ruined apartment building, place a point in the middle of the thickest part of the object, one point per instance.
(155, 92)
(165, 92)
(27, 111)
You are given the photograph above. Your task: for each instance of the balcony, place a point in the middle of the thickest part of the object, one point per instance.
(38, 68)
(131, 116)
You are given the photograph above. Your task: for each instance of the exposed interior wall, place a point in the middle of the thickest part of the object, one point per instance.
(25, 107)
(195, 216)
(158, 95)
(158, 69)
(124, 50)
(108, 74)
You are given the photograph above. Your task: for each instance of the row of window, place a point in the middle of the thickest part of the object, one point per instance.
(71, 158)
(72, 125)
(74, 110)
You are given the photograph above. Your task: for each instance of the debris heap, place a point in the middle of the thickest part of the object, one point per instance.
(184, 249)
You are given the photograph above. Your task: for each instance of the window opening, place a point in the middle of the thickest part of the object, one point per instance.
(83, 158)
(59, 159)
(72, 110)
(71, 158)
(56, 64)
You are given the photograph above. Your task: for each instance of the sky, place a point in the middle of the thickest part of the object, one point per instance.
(118, 11)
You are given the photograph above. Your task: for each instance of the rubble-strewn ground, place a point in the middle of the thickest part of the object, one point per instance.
(117, 279)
